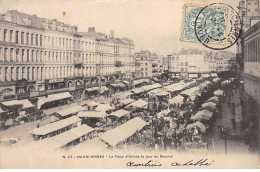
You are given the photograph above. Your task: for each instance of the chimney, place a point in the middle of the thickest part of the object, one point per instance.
(112, 34)
(91, 29)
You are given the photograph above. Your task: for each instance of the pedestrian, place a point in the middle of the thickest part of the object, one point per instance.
(38, 125)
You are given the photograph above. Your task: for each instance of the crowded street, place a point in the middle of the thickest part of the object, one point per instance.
(194, 114)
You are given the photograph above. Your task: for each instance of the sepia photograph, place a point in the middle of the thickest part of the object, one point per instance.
(129, 84)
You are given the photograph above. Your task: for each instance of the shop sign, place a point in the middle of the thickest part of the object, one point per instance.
(56, 80)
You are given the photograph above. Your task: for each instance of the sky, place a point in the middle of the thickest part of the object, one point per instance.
(153, 25)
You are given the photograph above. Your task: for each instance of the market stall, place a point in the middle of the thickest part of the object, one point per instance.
(120, 134)
(55, 128)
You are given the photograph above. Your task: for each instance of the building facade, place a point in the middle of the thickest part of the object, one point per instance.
(251, 81)
(188, 61)
(40, 56)
(143, 64)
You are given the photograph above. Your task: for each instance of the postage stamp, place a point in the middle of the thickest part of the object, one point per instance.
(216, 26)
(188, 24)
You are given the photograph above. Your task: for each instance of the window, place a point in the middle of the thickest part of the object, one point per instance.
(12, 34)
(36, 39)
(22, 38)
(22, 59)
(41, 73)
(11, 54)
(40, 40)
(31, 39)
(6, 74)
(5, 54)
(32, 55)
(28, 55)
(23, 72)
(37, 56)
(1, 54)
(33, 68)
(28, 73)
(27, 38)
(5, 35)
(12, 73)
(17, 73)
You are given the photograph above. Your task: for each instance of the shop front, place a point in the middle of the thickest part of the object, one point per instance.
(53, 84)
(7, 92)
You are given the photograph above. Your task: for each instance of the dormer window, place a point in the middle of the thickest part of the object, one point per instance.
(27, 21)
(53, 26)
(8, 18)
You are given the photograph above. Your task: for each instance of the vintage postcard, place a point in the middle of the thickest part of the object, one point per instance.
(129, 84)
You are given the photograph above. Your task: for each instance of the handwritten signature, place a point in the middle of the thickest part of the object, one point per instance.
(201, 162)
(151, 163)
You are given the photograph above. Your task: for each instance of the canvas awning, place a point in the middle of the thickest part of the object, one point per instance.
(211, 104)
(205, 75)
(92, 89)
(88, 103)
(104, 107)
(177, 100)
(136, 82)
(120, 113)
(103, 89)
(139, 104)
(53, 97)
(71, 110)
(213, 75)
(63, 139)
(126, 82)
(218, 92)
(25, 103)
(204, 84)
(157, 90)
(127, 101)
(46, 129)
(216, 80)
(203, 114)
(193, 75)
(137, 90)
(114, 136)
(162, 93)
(215, 98)
(92, 144)
(198, 124)
(225, 82)
(191, 92)
(91, 114)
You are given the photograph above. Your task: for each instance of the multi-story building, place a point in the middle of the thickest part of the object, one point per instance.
(190, 61)
(251, 78)
(221, 59)
(165, 63)
(113, 55)
(143, 64)
(36, 53)
(40, 56)
(249, 12)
